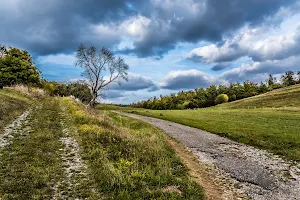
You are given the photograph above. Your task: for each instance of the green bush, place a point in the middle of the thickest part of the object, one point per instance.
(179, 107)
(222, 98)
(232, 97)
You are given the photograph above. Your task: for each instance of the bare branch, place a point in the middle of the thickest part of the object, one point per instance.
(96, 65)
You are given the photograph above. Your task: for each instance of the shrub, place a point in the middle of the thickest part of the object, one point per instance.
(222, 98)
(180, 107)
(232, 97)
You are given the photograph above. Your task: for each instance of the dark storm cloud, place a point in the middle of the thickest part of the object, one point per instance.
(218, 67)
(179, 21)
(50, 27)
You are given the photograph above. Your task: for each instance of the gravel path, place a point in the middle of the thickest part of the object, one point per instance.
(250, 172)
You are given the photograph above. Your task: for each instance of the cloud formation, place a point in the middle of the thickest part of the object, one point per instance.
(258, 71)
(152, 26)
(135, 82)
(187, 79)
(257, 44)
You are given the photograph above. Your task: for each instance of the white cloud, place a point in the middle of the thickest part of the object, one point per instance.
(254, 71)
(135, 82)
(260, 44)
(136, 26)
(59, 59)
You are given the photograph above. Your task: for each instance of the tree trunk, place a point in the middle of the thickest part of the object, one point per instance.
(93, 100)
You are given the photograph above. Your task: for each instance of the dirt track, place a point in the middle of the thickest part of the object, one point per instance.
(251, 172)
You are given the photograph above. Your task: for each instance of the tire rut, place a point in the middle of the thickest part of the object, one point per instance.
(14, 128)
(76, 184)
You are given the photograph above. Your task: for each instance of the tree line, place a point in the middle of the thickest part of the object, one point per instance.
(201, 97)
(17, 67)
(101, 68)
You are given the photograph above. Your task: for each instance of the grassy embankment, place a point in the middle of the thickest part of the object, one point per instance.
(270, 121)
(12, 104)
(126, 159)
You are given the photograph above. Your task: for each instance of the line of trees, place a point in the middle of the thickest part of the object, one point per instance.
(17, 67)
(101, 68)
(200, 97)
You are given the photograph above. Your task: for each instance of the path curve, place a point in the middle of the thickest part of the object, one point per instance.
(253, 172)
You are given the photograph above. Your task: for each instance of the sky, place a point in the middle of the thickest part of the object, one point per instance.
(169, 45)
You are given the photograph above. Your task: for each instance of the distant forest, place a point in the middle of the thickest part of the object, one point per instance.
(201, 98)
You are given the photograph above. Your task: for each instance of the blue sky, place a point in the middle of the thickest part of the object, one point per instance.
(169, 45)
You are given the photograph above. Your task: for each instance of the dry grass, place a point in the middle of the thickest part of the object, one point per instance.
(29, 91)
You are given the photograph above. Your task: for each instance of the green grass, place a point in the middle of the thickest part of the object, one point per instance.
(12, 104)
(275, 129)
(130, 159)
(285, 97)
(110, 107)
(31, 165)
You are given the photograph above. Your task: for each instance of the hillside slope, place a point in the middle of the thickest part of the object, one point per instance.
(12, 104)
(284, 97)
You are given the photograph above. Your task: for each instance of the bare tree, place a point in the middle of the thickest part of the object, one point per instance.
(100, 68)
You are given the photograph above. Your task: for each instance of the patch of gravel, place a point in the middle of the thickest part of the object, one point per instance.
(248, 171)
(14, 128)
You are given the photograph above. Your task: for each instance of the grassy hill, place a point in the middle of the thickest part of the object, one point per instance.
(269, 121)
(288, 97)
(12, 104)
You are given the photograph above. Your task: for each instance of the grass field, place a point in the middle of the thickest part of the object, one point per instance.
(272, 121)
(12, 104)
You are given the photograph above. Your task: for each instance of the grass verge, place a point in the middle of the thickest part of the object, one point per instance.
(130, 159)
